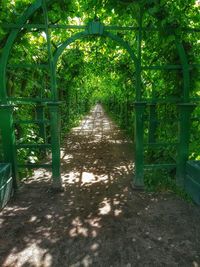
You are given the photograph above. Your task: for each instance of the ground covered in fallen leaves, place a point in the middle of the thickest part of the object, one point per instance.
(98, 220)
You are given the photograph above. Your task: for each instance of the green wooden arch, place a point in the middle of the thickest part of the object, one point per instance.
(85, 34)
(6, 125)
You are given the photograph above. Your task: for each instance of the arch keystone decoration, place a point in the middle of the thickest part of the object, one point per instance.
(95, 28)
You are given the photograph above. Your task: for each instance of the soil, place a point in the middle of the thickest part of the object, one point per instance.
(98, 220)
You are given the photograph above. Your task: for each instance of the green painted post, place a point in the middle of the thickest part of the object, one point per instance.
(40, 114)
(152, 123)
(53, 108)
(55, 131)
(126, 112)
(8, 139)
(55, 143)
(138, 182)
(185, 111)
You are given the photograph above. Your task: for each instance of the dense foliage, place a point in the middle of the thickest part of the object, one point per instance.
(97, 69)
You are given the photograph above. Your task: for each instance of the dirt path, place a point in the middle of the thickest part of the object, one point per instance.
(98, 220)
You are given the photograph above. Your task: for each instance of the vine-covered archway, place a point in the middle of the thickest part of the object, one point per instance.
(141, 105)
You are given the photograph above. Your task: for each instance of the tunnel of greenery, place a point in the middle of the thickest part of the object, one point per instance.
(139, 58)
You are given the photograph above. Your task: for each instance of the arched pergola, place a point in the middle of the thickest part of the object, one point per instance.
(94, 28)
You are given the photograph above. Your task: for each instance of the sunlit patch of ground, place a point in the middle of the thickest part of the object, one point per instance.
(98, 220)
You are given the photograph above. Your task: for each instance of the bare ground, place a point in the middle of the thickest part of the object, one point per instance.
(98, 220)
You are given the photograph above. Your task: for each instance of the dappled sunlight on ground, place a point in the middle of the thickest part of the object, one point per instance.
(98, 220)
